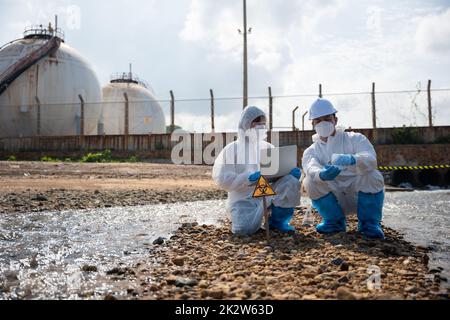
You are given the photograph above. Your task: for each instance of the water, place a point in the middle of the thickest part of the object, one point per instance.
(424, 219)
(41, 254)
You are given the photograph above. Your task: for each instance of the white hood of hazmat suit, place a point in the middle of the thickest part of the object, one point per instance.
(239, 159)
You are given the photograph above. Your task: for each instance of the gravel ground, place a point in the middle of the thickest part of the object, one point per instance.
(205, 262)
(62, 199)
(28, 186)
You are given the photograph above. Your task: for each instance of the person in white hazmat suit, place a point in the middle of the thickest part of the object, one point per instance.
(237, 169)
(341, 175)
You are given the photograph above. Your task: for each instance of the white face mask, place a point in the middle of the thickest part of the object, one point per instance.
(324, 128)
(257, 133)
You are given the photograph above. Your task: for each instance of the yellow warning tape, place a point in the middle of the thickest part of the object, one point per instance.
(438, 166)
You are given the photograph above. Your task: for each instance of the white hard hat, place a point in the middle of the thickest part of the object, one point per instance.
(321, 107)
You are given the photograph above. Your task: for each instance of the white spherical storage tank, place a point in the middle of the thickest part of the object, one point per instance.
(42, 96)
(145, 114)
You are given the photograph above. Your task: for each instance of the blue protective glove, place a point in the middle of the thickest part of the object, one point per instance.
(296, 173)
(344, 160)
(329, 173)
(254, 176)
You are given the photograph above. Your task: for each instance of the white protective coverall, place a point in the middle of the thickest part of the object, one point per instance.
(232, 168)
(363, 176)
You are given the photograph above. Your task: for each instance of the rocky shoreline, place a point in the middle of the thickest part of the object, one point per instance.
(206, 262)
(65, 199)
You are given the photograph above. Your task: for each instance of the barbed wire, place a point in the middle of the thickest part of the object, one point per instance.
(229, 98)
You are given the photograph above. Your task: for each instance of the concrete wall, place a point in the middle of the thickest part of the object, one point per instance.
(159, 146)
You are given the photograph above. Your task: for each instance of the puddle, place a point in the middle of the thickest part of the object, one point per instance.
(42, 254)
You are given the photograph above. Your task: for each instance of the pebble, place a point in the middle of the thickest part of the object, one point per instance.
(411, 289)
(158, 241)
(216, 294)
(337, 261)
(344, 266)
(179, 261)
(39, 197)
(343, 293)
(181, 282)
(88, 268)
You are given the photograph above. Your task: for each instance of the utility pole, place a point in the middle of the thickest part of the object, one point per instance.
(245, 32)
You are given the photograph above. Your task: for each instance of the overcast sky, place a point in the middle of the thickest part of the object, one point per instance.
(190, 46)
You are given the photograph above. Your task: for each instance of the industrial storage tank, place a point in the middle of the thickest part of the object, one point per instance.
(145, 114)
(41, 81)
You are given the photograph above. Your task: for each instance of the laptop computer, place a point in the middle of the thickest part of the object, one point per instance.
(277, 162)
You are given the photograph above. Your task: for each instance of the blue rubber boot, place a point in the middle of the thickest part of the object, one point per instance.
(333, 218)
(280, 217)
(370, 207)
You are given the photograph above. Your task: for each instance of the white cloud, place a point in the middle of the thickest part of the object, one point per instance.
(294, 46)
(433, 33)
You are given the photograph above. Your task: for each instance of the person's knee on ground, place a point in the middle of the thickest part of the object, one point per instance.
(246, 217)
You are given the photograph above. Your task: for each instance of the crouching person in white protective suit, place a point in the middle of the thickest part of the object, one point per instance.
(341, 175)
(237, 168)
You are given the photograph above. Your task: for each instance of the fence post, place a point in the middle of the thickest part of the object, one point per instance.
(126, 130)
(212, 109)
(374, 112)
(293, 118)
(172, 112)
(269, 136)
(81, 115)
(303, 120)
(38, 103)
(430, 115)
(374, 115)
(320, 90)
(81, 121)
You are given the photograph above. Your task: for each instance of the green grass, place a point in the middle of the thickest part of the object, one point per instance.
(104, 156)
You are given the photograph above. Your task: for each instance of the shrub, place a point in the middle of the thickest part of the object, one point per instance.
(11, 158)
(443, 139)
(49, 159)
(406, 135)
(104, 156)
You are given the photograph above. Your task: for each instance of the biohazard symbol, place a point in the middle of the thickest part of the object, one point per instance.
(263, 188)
